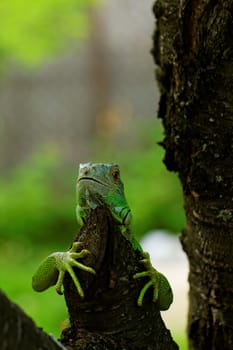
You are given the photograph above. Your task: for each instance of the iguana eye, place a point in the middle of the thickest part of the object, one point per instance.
(115, 174)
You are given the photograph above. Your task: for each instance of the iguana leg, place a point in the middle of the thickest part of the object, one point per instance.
(53, 268)
(162, 292)
(65, 262)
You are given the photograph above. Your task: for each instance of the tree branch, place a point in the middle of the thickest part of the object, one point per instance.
(18, 331)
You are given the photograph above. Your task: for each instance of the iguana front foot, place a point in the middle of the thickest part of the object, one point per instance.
(65, 262)
(52, 270)
(162, 292)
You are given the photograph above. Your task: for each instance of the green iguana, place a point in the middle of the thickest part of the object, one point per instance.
(100, 184)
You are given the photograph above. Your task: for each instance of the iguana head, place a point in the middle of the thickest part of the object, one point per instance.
(100, 184)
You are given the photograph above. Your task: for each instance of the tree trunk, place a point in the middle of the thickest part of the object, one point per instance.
(19, 332)
(193, 48)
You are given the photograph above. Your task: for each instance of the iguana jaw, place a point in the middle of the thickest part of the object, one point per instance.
(83, 178)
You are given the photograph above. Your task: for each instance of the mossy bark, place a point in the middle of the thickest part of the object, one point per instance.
(193, 49)
(109, 317)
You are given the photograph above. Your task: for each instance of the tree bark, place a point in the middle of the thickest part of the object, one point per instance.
(108, 317)
(19, 332)
(193, 48)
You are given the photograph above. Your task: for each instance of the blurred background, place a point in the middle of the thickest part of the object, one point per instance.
(77, 84)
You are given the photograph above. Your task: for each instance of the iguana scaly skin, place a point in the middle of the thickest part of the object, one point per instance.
(100, 184)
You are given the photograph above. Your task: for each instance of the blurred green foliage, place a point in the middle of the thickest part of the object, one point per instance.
(181, 340)
(154, 194)
(18, 262)
(37, 201)
(37, 206)
(33, 30)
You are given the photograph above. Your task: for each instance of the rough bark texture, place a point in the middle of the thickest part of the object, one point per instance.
(19, 332)
(193, 48)
(108, 317)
